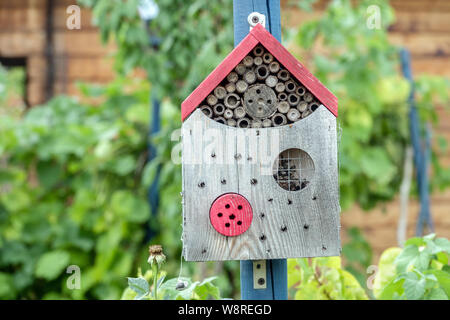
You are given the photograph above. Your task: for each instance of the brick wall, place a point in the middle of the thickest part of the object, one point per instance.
(78, 54)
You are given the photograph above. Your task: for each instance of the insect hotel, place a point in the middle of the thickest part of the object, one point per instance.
(259, 159)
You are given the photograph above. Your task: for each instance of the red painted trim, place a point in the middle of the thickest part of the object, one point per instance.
(297, 69)
(259, 35)
(218, 74)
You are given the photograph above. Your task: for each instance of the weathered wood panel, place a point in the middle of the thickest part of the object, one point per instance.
(285, 224)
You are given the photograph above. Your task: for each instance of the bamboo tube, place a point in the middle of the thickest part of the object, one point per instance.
(239, 113)
(308, 97)
(262, 72)
(211, 100)
(267, 58)
(231, 122)
(279, 119)
(220, 92)
(243, 123)
(282, 96)
(258, 61)
(283, 75)
(228, 114)
(241, 86)
(293, 99)
(302, 106)
(232, 100)
(290, 86)
(232, 77)
(231, 87)
(258, 51)
(220, 120)
(250, 77)
(248, 61)
(207, 110)
(274, 67)
(293, 115)
(280, 87)
(283, 107)
(256, 124)
(300, 91)
(240, 69)
(271, 81)
(266, 123)
(306, 113)
(218, 109)
(313, 106)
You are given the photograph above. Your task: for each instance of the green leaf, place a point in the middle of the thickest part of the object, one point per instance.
(51, 264)
(140, 286)
(414, 286)
(437, 294)
(443, 279)
(386, 273)
(413, 256)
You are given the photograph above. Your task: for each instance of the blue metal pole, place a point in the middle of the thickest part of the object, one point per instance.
(276, 284)
(421, 153)
(153, 191)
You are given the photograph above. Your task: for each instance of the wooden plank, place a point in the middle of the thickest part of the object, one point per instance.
(301, 223)
(423, 44)
(424, 21)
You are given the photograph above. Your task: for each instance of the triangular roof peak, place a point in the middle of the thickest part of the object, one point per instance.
(259, 35)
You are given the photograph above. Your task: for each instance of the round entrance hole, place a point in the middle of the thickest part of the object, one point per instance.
(293, 169)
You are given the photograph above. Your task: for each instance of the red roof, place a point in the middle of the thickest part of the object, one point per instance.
(259, 35)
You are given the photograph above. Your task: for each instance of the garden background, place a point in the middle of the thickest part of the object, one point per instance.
(76, 106)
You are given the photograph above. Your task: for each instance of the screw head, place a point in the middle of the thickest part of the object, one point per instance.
(261, 281)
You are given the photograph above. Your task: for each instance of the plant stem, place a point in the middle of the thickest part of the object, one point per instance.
(155, 280)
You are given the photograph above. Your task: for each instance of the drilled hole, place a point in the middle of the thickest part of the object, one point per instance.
(232, 216)
(227, 206)
(239, 207)
(239, 222)
(278, 120)
(258, 91)
(262, 238)
(227, 225)
(219, 214)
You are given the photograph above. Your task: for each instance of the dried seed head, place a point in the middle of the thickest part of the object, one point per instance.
(156, 255)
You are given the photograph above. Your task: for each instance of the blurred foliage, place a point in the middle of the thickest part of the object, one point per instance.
(194, 36)
(419, 271)
(358, 255)
(322, 279)
(140, 289)
(71, 192)
(12, 91)
(361, 67)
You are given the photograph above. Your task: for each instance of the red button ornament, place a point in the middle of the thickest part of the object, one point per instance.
(231, 214)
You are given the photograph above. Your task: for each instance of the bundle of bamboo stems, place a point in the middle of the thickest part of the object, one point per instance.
(259, 93)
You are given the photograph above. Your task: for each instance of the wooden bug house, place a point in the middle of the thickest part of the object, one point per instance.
(259, 159)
